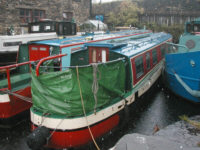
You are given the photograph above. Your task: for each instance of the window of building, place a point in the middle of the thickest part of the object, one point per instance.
(139, 66)
(38, 14)
(28, 15)
(77, 0)
(148, 60)
(25, 15)
(154, 56)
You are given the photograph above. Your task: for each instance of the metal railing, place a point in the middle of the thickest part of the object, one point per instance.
(8, 68)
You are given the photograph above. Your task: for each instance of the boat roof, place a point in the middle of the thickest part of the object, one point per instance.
(80, 39)
(29, 35)
(134, 47)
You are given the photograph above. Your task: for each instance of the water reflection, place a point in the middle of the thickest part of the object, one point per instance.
(155, 114)
(163, 109)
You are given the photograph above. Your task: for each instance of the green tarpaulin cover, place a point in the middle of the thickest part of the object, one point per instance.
(58, 93)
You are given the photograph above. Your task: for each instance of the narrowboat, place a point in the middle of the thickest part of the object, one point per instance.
(80, 99)
(182, 68)
(15, 93)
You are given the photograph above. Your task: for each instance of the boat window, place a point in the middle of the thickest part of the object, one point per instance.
(103, 52)
(189, 28)
(7, 44)
(47, 28)
(43, 49)
(60, 29)
(196, 28)
(163, 48)
(154, 56)
(94, 53)
(139, 66)
(34, 48)
(148, 60)
(35, 28)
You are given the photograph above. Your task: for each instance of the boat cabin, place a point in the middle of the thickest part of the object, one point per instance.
(140, 56)
(189, 41)
(60, 27)
(193, 27)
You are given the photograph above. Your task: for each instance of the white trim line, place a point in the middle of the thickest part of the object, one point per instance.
(77, 123)
(4, 98)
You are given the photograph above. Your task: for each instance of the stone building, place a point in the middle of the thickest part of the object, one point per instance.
(168, 17)
(17, 13)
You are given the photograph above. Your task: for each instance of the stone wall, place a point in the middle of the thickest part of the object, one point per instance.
(10, 11)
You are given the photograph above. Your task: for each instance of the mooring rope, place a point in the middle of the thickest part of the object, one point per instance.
(27, 99)
(48, 138)
(84, 110)
(95, 85)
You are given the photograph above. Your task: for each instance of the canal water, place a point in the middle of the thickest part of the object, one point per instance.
(158, 107)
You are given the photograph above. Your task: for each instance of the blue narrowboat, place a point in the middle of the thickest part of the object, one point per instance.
(182, 68)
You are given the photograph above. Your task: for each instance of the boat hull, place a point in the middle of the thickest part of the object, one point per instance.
(185, 66)
(79, 137)
(73, 132)
(13, 107)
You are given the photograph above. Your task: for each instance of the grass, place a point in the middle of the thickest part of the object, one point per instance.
(196, 124)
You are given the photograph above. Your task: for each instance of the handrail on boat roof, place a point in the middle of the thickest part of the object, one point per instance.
(118, 59)
(45, 59)
(15, 65)
(179, 45)
(8, 68)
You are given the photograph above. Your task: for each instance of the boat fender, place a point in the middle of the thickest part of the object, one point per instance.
(38, 138)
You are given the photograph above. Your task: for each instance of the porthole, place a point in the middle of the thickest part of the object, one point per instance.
(190, 44)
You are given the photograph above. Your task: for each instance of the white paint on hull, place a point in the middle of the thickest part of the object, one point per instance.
(76, 123)
(4, 98)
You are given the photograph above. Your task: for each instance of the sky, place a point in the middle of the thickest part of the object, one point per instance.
(103, 1)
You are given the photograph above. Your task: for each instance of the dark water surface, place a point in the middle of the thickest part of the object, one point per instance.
(158, 107)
